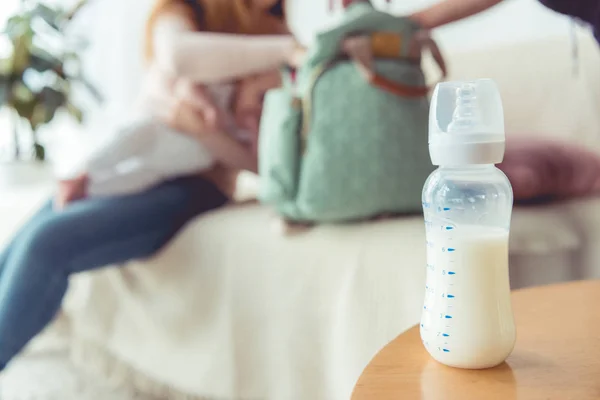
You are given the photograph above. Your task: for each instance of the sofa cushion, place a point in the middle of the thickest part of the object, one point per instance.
(542, 170)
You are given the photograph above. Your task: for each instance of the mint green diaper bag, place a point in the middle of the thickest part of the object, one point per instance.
(345, 137)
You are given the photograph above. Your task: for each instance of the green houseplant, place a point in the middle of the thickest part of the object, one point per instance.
(39, 76)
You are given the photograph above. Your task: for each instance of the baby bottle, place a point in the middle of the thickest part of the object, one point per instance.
(467, 319)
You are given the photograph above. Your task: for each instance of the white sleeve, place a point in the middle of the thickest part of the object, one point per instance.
(132, 140)
(206, 57)
(118, 166)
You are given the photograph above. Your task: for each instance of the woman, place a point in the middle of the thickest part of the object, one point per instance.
(190, 43)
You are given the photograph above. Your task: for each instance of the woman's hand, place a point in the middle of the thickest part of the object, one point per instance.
(191, 110)
(296, 56)
(70, 190)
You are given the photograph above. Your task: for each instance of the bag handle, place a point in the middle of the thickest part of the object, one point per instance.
(364, 49)
(424, 41)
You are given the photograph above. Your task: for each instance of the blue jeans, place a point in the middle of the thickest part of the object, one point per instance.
(86, 235)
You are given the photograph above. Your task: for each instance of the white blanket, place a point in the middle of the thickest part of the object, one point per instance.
(233, 310)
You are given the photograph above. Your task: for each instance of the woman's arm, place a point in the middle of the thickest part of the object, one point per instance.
(449, 11)
(205, 57)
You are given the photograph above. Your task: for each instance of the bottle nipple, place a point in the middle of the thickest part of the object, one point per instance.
(466, 115)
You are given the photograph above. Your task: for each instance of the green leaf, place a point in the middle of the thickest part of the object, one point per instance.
(39, 152)
(52, 17)
(22, 93)
(50, 114)
(75, 112)
(39, 116)
(5, 87)
(23, 101)
(16, 26)
(24, 109)
(52, 99)
(42, 61)
(22, 51)
(6, 66)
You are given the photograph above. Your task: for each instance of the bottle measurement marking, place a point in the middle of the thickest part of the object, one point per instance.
(443, 264)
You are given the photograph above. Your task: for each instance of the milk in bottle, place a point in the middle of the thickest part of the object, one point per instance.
(467, 319)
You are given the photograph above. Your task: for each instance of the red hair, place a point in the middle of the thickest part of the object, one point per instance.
(220, 16)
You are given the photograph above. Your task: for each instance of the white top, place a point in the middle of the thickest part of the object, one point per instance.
(466, 124)
(145, 151)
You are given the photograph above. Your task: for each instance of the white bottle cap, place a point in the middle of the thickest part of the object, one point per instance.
(466, 124)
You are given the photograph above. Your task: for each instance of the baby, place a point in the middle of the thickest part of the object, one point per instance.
(146, 151)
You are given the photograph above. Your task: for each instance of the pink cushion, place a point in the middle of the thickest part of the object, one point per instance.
(545, 169)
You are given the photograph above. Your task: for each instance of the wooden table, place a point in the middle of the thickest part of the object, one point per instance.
(557, 356)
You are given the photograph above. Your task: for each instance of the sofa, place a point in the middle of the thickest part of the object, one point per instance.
(234, 310)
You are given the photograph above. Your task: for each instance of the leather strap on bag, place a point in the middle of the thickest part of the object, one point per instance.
(364, 49)
(421, 41)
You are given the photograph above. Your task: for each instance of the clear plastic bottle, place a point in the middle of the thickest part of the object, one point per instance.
(467, 318)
